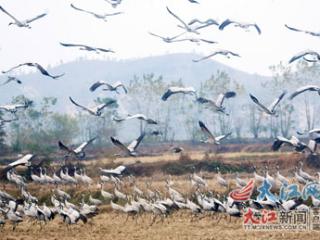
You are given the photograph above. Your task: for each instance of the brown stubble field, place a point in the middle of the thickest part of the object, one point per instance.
(179, 225)
(108, 225)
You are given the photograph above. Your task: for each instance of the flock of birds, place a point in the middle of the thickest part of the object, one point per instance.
(126, 196)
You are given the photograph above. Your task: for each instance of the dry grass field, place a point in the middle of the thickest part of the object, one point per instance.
(179, 225)
(109, 225)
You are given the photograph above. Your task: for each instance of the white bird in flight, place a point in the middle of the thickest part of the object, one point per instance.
(226, 53)
(87, 48)
(311, 88)
(175, 90)
(109, 86)
(37, 66)
(77, 152)
(218, 104)
(23, 23)
(137, 116)
(131, 148)
(210, 137)
(96, 110)
(103, 16)
(246, 26)
(271, 110)
(304, 54)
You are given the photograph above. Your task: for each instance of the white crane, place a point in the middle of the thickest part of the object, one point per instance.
(102, 16)
(175, 90)
(221, 181)
(283, 180)
(94, 201)
(240, 182)
(116, 171)
(304, 174)
(137, 116)
(22, 23)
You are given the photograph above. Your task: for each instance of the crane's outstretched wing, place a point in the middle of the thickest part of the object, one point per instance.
(10, 15)
(304, 89)
(71, 45)
(84, 145)
(15, 67)
(119, 84)
(206, 130)
(166, 95)
(225, 23)
(64, 147)
(257, 28)
(119, 144)
(219, 138)
(205, 57)
(80, 106)
(35, 18)
(256, 101)
(96, 85)
(105, 50)
(179, 19)
(222, 96)
(277, 101)
(303, 54)
(133, 146)
(44, 71)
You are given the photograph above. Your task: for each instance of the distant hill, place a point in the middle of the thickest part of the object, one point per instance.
(81, 74)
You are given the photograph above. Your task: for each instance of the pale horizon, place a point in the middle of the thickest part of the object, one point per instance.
(127, 33)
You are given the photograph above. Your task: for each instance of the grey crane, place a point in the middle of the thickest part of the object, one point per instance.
(218, 104)
(87, 48)
(109, 86)
(315, 34)
(311, 88)
(246, 26)
(271, 110)
(77, 152)
(12, 79)
(210, 137)
(137, 116)
(96, 110)
(310, 53)
(102, 16)
(37, 66)
(223, 52)
(131, 148)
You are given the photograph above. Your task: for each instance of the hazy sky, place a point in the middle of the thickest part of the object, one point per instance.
(127, 34)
